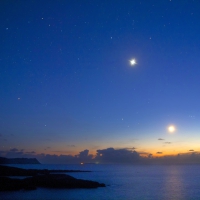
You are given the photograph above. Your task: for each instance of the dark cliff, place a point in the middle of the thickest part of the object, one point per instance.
(18, 161)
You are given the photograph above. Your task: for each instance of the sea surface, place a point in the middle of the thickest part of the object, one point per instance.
(123, 182)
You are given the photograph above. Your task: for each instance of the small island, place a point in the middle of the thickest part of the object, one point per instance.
(41, 178)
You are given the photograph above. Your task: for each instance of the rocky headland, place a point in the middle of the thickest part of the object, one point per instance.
(41, 178)
(4, 160)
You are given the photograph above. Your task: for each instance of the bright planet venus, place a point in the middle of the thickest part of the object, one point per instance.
(132, 62)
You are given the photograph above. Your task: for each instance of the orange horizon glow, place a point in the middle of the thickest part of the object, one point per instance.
(153, 153)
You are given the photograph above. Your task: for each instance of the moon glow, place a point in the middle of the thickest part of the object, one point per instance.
(171, 129)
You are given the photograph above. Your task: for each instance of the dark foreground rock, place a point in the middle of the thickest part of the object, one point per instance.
(15, 171)
(45, 179)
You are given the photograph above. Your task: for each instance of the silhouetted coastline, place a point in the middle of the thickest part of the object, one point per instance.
(4, 160)
(41, 178)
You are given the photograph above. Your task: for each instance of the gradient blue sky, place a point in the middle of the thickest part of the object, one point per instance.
(66, 83)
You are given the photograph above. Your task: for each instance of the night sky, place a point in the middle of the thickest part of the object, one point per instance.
(68, 89)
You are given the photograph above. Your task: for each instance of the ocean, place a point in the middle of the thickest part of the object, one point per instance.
(123, 182)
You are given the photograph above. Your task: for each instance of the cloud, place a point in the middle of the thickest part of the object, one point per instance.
(83, 154)
(14, 153)
(167, 142)
(143, 153)
(130, 148)
(150, 155)
(186, 158)
(14, 150)
(111, 155)
(55, 159)
(71, 145)
(47, 148)
(2, 153)
(160, 139)
(30, 152)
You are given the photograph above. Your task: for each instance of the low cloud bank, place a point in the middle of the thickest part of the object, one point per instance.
(109, 155)
(112, 155)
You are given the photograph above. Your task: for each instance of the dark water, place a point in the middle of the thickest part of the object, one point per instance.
(124, 182)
